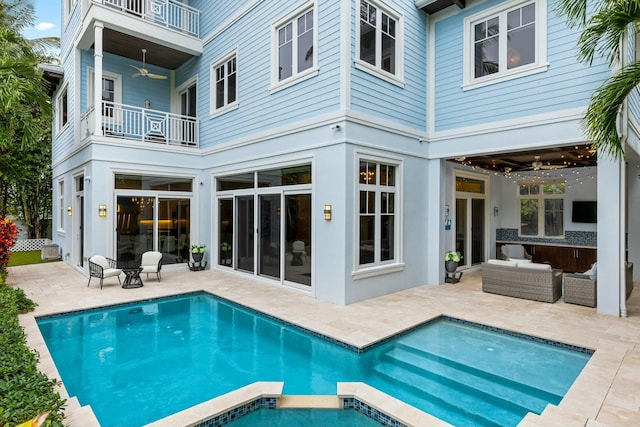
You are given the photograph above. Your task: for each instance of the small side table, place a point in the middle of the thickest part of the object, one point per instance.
(453, 277)
(197, 266)
(133, 279)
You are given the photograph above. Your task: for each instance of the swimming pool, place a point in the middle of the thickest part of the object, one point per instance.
(140, 362)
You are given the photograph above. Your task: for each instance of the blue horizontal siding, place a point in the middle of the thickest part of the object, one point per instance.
(566, 84)
(260, 110)
(376, 97)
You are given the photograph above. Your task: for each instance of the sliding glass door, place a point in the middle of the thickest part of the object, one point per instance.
(245, 231)
(269, 235)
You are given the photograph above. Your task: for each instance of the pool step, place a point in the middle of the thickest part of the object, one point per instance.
(309, 401)
(528, 397)
(434, 397)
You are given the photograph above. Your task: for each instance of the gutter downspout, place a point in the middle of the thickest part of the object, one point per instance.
(624, 136)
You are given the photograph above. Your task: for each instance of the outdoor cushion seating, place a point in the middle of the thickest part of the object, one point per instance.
(151, 263)
(102, 268)
(582, 288)
(538, 282)
(514, 253)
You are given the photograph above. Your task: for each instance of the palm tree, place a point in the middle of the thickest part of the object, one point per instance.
(603, 25)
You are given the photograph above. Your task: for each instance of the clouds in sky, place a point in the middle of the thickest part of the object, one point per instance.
(44, 26)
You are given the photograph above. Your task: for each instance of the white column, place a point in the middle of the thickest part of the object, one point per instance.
(611, 239)
(434, 217)
(97, 79)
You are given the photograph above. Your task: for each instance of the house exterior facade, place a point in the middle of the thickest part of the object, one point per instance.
(320, 144)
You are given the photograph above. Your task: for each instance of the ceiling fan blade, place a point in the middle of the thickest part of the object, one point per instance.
(156, 76)
(553, 167)
(139, 69)
(134, 75)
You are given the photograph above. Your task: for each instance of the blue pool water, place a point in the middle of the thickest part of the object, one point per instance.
(137, 363)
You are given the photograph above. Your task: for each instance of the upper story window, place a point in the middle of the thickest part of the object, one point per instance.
(62, 109)
(295, 41)
(502, 43)
(68, 7)
(111, 93)
(541, 208)
(378, 210)
(379, 40)
(224, 75)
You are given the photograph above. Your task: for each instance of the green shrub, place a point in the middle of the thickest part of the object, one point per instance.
(24, 391)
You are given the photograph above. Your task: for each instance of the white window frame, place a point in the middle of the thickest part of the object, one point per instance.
(540, 197)
(117, 89)
(69, 5)
(540, 64)
(398, 77)
(212, 86)
(61, 206)
(296, 77)
(61, 122)
(378, 267)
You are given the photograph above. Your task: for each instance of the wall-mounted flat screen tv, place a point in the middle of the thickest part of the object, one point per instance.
(585, 211)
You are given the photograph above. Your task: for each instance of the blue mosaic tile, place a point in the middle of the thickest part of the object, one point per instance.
(571, 238)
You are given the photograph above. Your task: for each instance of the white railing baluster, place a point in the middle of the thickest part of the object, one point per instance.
(167, 13)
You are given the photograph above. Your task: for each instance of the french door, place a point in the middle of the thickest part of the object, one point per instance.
(470, 220)
(268, 235)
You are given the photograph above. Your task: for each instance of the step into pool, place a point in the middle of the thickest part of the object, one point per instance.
(140, 362)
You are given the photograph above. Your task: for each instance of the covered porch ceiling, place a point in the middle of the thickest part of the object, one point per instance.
(542, 159)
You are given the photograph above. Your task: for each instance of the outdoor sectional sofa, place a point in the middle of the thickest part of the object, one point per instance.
(528, 280)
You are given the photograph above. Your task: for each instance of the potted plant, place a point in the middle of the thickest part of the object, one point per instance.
(197, 252)
(451, 260)
(225, 253)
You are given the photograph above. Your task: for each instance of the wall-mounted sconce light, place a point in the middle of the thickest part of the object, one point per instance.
(335, 127)
(102, 211)
(327, 212)
(69, 210)
(446, 210)
(147, 104)
(495, 211)
(87, 179)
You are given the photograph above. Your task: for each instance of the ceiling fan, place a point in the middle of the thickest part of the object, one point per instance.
(537, 165)
(142, 71)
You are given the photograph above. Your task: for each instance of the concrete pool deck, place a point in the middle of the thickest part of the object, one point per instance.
(607, 392)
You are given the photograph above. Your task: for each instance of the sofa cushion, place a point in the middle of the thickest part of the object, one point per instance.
(503, 263)
(534, 266)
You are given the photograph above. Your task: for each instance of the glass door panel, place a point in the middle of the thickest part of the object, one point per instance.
(134, 229)
(269, 258)
(461, 229)
(297, 267)
(477, 231)
(245, 225)
(225, 231)
(173, 230)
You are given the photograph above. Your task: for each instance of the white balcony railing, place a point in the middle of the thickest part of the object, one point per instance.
(167, 13)
(141, 124)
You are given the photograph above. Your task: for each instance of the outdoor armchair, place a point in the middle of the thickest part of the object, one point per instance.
(151, 263)
(103, 267)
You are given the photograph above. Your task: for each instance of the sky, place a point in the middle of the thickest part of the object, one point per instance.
(47, 22)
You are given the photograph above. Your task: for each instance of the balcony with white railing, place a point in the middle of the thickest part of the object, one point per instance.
(170, 14)
(141, 124)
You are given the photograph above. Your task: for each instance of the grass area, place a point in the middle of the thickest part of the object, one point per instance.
(26, 258)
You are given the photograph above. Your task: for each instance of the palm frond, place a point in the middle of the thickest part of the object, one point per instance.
(574, 10)
(601, 120)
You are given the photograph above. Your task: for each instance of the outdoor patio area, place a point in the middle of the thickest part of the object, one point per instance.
(607, 393)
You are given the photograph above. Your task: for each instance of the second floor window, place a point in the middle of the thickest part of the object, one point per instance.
(541, 209)
(295, 41)
(63, 109)
(378, 37)
(226, 88)
(503, 42)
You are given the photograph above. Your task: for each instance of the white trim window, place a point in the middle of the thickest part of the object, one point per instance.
(224, 84)
(378, 209)
(294, 52)
(111, 93)
(68, 8)
(541, 209)
(61, 208)
(379, 40)
(62, 108)
(502, 43)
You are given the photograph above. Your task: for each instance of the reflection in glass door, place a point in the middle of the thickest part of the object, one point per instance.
(245, 226)
(173, 230)
(297, 267)
(269, 232)
(134, 229)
